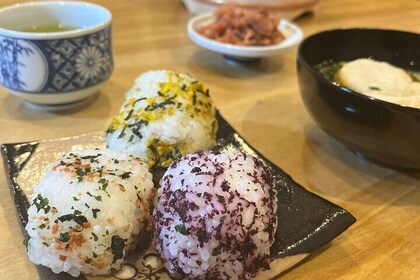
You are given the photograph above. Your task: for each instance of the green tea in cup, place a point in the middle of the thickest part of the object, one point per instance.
(55, 52)
(49, 28)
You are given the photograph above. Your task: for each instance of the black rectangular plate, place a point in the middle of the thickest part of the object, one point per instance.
(306, 221)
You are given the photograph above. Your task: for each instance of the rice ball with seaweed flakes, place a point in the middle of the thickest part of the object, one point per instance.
(164, 116)
(88, 210)
(215, 216)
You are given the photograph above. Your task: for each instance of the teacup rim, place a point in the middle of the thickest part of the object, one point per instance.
(60, 34)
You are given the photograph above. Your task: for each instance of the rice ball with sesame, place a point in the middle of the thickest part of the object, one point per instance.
(88, 210)
(215, 216)
(164, 116)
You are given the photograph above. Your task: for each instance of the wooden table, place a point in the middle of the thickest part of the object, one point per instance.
(262, 102)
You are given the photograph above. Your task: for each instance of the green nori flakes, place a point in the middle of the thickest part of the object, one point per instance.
(90, 157)
(168, 101)
(68, 217)
(97, 197)
(80, 220)
(194, 99)
(110, 130)
(117, 247)
(80, 172)
(181, 229)
(41, 203)
(176, 153)
(95, 237)
(72, 217)
(122, 134)
(126, 175)
(95, 211)
(104, 183)
(135, 128)
(140, 99)
(329, 68)
(129, 115)
(64, 237)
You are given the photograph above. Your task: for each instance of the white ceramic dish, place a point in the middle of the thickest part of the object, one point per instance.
(291, 31)
(288, 9)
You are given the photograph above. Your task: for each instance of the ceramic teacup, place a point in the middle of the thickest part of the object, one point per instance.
(55, 52)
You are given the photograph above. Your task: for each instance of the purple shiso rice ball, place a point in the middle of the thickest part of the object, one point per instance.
(215, 216)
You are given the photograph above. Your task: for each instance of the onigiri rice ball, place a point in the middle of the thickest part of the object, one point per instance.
(88, 210)
(215, 216)
(165, 115)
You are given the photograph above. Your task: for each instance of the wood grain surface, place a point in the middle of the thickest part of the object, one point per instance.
(262, 102)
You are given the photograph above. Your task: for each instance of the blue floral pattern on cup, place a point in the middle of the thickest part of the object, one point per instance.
(10, 50)
(65, 64)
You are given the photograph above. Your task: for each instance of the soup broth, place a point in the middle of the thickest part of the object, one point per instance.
(329, 69)
(377, 79)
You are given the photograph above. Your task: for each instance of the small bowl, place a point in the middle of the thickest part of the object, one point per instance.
(384, 132)
(288, 9)
(291, 31)
(55, 66)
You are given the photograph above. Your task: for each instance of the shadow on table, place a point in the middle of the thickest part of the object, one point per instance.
(341, 161)
(214, 63)
(311, 156)
(333, 148)
(324, 262)
(96, 107)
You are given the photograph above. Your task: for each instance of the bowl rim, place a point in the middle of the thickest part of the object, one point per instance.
(348, 91)
(243, 51)
(287, 6)
(60, 34)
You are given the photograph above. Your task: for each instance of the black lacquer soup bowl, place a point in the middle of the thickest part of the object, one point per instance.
(384, 132)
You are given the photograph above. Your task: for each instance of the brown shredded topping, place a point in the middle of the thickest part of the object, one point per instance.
(240, 26)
